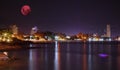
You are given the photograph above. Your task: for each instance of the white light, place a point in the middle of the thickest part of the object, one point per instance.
(110, 39)
(5, 53)
(68, 37)
(8, 40)
(94, 39)
(101, 39)
(118, 38)
(26, 39)
(56, 37)
(90, 39)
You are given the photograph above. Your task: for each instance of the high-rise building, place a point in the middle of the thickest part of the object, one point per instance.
(108, 31)
(34, 30)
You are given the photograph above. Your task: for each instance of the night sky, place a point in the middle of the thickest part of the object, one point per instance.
(66, 16)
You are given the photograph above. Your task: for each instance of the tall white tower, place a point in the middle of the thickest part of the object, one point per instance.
(108, 33)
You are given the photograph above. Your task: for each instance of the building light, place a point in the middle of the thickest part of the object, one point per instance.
(109, 39)
(95, 39)
(118, 38)
(56, 37)
(0, 38)
(90, 39)
(8, 40)
(101, 39)
(68, 37)
(3, 39)
(6, 53)
(5, 34)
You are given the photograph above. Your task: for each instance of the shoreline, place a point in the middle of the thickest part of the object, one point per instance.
(15, 46)
(6, 47)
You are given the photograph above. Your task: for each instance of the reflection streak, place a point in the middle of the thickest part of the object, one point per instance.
(68, 56)
(84, 58)
(89, 58)
(57, 56)
(32, 58)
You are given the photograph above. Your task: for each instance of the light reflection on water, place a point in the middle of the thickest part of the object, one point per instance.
(84, 58)
(57, 56)
(32, 59)
(66, 56)
(89, 58)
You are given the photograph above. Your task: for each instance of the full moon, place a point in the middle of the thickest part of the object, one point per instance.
(25, 10)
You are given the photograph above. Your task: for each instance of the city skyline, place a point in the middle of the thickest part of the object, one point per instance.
(70, 17)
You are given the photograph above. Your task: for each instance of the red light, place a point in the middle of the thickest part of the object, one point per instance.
(25, 10)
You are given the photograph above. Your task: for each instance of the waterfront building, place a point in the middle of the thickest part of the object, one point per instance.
(34, 30)
(108, 31)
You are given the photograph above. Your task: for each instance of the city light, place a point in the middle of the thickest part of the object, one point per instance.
(101, 39)
(68, 37)
(103, 55)
(118, 39)
(36, 36)
(90, 39)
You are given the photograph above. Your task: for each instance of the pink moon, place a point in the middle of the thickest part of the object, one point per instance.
(25, 10)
